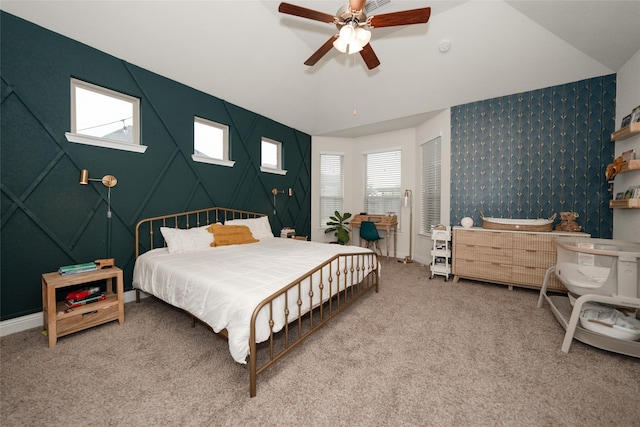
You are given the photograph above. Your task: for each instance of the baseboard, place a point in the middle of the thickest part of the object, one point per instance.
(30, 321)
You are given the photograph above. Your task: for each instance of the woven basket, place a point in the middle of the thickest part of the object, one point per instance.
(524, 226)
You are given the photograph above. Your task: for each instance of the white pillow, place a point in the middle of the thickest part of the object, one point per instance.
(189, 240)
(260, 227)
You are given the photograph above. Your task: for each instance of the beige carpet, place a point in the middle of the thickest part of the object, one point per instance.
(420, 352)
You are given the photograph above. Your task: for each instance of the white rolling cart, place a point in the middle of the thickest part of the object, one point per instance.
(441, 252)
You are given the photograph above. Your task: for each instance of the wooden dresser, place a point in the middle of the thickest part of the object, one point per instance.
(513, 258)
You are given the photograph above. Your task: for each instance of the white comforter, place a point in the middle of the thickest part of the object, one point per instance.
(223, 285)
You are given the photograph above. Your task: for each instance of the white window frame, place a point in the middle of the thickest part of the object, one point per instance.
(333, 197)
(278, 170)
(78, 138)
(203, 158)
(394, 201)
(431, 184)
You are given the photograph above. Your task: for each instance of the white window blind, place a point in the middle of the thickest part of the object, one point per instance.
(431, 180)
(383, 176)
(331, 186)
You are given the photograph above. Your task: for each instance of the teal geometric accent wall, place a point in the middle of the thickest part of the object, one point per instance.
(49, 220)
(533, 154)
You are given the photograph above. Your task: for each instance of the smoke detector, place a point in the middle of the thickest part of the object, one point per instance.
(444, 46)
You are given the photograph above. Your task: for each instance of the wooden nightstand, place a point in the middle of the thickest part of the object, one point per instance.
(58, 323)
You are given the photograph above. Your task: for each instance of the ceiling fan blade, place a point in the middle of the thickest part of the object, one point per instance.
(326, 47)
(369, 56)
(357, 5)
(406, 17)
(303, 12)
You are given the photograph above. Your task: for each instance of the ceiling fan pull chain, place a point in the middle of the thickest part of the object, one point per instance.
(354, 91)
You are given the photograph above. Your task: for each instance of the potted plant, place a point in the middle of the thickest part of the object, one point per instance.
(339, 227)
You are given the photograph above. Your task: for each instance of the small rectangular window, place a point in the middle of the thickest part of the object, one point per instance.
(104, 118)
(271, 157)
(210, 142)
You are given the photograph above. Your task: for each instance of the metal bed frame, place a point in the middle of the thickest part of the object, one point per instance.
(354, 275)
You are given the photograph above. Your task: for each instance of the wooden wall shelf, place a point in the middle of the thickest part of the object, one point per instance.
(625, 204)
(626, 132)
(630, 166)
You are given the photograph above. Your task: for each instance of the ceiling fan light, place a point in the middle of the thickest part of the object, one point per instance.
(354, 47)
(340, 45)
(347, 33)
(363, 36)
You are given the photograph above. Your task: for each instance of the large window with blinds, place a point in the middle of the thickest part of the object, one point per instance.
(331, 185)
(431, 188)
(382, 178)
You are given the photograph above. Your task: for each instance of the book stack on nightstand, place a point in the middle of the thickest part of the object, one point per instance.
(288, 233)
(78, 268)
(83, 297)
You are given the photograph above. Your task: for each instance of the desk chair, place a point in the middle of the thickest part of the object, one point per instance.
(369, 233)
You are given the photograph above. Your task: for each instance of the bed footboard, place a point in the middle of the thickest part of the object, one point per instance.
(325, 291)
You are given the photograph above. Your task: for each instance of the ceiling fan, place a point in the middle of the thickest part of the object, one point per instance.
(352, 23)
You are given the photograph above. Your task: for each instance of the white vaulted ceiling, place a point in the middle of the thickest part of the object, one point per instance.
(250, 55)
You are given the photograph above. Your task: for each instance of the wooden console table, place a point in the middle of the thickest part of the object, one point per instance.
(383, 222)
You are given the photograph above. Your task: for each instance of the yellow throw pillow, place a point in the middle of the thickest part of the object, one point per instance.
(231, 235)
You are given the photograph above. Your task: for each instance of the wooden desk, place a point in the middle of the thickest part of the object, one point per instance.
(382, 222)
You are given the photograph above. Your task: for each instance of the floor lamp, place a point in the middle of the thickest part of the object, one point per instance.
(408, 203)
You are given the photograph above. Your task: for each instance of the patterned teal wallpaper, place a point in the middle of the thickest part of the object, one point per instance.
(49, 220)
(532, 154)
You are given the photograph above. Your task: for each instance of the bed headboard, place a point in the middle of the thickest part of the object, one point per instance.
(148, 234)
